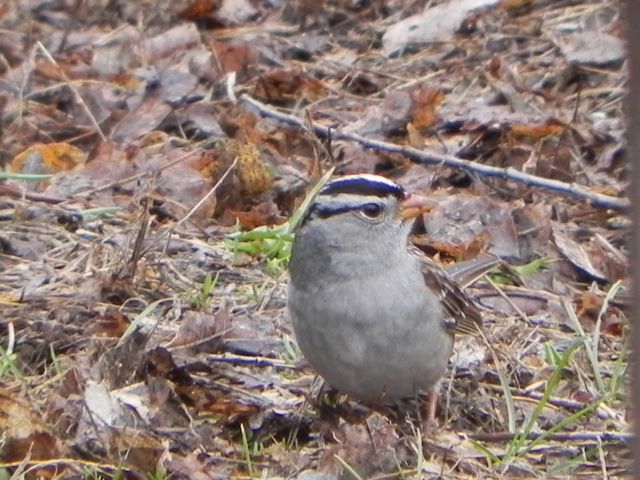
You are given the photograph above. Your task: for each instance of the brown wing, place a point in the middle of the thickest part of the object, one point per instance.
(460, 313)
(468, 271)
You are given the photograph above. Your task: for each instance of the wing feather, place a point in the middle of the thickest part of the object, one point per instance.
(461, 315)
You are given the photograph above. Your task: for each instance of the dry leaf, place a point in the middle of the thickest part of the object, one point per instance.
(48, 158)
(425, 104)
(252, 172)
(286, 85)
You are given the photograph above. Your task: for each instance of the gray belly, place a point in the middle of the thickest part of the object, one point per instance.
(375, 351)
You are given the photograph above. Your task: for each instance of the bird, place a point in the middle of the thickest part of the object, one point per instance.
(373, 315)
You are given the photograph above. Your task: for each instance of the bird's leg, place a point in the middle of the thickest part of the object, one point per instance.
(430, 423)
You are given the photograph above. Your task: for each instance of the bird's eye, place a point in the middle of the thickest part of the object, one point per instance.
(372, 210)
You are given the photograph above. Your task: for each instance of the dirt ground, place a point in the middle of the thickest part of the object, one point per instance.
(155, 156)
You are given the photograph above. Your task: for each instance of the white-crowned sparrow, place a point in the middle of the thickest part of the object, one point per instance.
(371, 314)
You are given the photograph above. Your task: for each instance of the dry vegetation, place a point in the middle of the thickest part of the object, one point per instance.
(153, 155)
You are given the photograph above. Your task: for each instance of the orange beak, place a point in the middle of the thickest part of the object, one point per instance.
(416, 205)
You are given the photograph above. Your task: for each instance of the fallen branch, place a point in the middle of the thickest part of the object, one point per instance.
(247, 360)
(606, 437)
(431, 158)
(571, 405)
(17, 191)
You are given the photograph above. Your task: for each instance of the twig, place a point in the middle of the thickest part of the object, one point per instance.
(245, 360)
(504, 382)
(11, 339)
(213, 190)
(209, 193)
(75, 91)
(506, 298)
(558, 437)
(571, 405)
(132, 178)
(592, 354)
(432, 158)
(603, 462)
(16, 191)
(67, 461)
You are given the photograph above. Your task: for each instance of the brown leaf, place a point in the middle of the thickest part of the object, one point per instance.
(387, 119)
(253, 175)
(577, 255)
(35, 446)
(533, 226)
(112, 325)
(211, 164)
(514, 4)
(414, 138)
(101, 425)
(464, 223)
(235, 12)
(197, 9)
(590, 305)
(469, 249)
(48, 159)
(370, 448)
(288, 85)
(228, 408)
(266, 213)
(196, 465)
(25, 434)
(536, 131)
(434, 24)
(201, 330)
(616, 324)
(185, 187)
(425, 104)
(168, 42)
(108, 163)
(235, 56)
(141, 120)
(591, 48)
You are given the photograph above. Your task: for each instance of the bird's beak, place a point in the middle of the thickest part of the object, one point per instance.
(416, 205)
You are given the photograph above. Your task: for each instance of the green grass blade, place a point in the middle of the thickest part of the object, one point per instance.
(24, 177)
(301, 210)
(516, 445)
(592, 354)
(565, 422)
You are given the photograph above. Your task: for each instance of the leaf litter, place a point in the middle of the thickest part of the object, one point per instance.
(152, 160)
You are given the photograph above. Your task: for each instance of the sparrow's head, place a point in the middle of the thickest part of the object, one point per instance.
(362, 212)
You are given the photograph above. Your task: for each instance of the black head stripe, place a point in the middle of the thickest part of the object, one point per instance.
(364, 185)
(326, 211)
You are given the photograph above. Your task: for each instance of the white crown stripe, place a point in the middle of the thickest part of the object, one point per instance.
(367, 178)
(374, 182)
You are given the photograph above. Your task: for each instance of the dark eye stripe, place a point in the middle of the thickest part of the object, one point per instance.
(325, 211)
(319, 210)
(358, 185)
